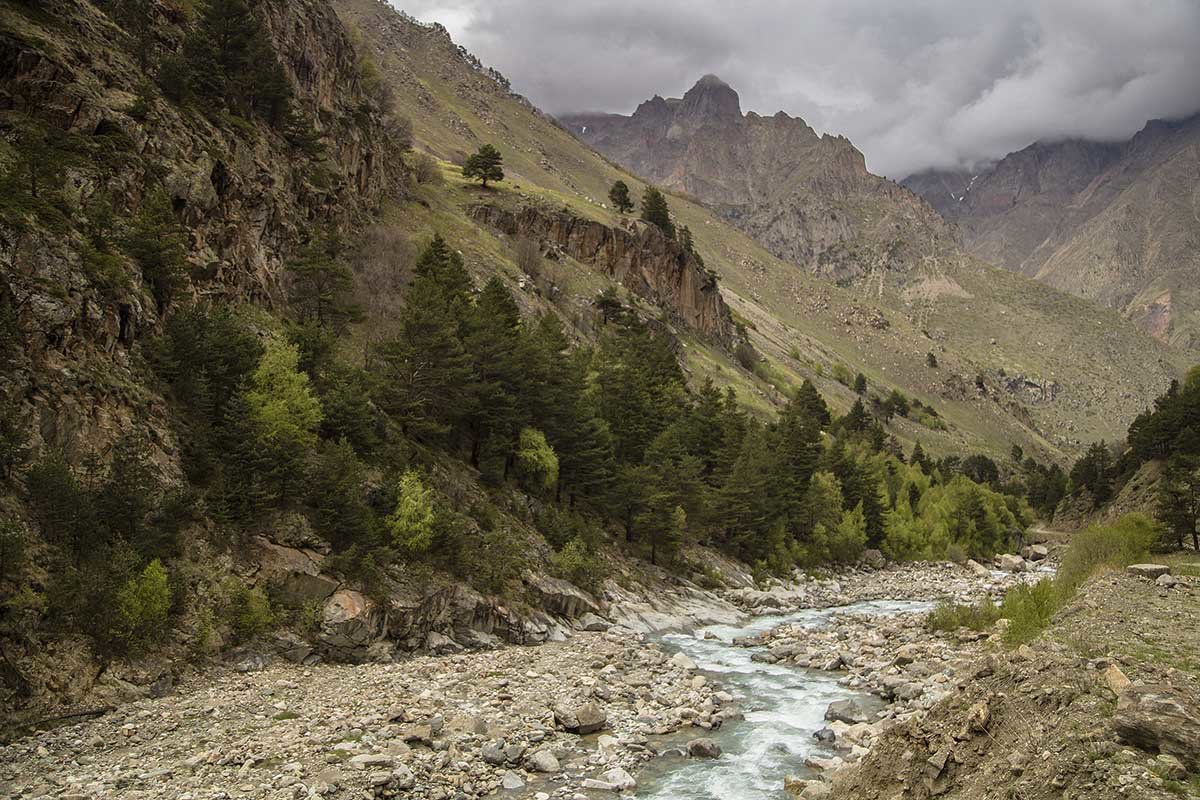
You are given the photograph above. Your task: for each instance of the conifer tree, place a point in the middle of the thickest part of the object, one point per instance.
(656, 212)
(322, 282)
(484, 165)
(157, 243)
(618, 195)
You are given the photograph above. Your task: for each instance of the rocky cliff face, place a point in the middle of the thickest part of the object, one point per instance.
(808, 198)
(1113, 222)
(244, 193)
(641, 258)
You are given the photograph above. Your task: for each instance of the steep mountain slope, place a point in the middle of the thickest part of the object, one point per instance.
(1117, 223)
(810, 200)
(807, 198)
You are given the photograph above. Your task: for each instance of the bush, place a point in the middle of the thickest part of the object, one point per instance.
(143, 605)
(842, 374)
(949, 617)
(1029, 609)
(12, 548)
(579, 563)
(250, 613)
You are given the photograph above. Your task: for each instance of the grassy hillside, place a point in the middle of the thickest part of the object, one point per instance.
(1003, 344)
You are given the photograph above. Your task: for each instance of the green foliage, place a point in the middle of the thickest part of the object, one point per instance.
(229, 63)
(413, 522)
(580, 563)
(950, 617)
(618, 195)
(280, 399)
(860, 384)
(656, 212)
(537, 464)
(13, 437)
(322, 282)
(1179, 501)
(1094, 472)
(63, 508)
(158, 244)
(143, 605)
(842, 374)
(249, 612)
(12, 548)
(1029, 609)
(486, 164)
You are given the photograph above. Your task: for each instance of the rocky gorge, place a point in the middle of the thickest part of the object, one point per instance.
(585, 712)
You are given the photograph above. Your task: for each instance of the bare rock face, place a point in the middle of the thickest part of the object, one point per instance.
(350, 622)
(807, 198)
(1109, 221)
(643, 259)
(1161, 719)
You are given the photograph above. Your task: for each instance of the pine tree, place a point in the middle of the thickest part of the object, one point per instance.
(919, 459)
(618, 195)
(427, 382)
(810, 403)
(322, 282)
(497, 351)
(484, 165)
(656, 212)
(860, 384)
(158, 243)
(230, 62)
(1179, 500)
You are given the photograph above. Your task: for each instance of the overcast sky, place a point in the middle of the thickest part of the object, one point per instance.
(914, 83)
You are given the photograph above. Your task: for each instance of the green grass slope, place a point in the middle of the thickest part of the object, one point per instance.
(1017, 362)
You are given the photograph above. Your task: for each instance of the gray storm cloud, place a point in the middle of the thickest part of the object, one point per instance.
(914, 83)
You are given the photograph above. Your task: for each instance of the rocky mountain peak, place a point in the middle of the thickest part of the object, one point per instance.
(711, 100)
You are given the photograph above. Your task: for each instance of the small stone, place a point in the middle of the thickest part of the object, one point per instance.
(511, 780)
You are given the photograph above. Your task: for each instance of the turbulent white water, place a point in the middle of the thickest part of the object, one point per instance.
(783, 705)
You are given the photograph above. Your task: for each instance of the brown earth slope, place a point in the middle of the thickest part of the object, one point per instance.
(1045, 722)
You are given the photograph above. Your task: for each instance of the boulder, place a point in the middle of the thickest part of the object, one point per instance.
(543, 761)
(1010, 563)
(682, 661)
(1114, 679)
(594, 622)
(1150, 571)
(1166, 581)
(874, 559)
(704, 748)
(293, 573)
(559, 597)
(350, 621)
(587, 718)
(1160, 719)
(847, 711)
(1037, 552)
(511, 780)
(614, 780)
(979, 570)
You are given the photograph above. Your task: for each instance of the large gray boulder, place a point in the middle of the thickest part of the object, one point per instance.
(1011, 563)
(559, 597)
(350, 622)
(847, 711)
(704, 748)
(587, 718)
(1160, 719)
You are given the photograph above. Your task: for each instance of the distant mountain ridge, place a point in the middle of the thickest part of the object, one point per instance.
(807, 197)
(1118, 223)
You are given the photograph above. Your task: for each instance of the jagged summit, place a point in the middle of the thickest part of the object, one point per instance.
(711, 100)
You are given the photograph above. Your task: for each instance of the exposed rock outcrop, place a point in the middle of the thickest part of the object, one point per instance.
(643, 259)
(808, 198)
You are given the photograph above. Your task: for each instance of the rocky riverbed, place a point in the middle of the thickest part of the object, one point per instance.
(577, 717)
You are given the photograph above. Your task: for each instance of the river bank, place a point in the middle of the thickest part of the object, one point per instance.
(581, 715)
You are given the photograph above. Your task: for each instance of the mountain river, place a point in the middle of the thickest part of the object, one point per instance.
(784, 706)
